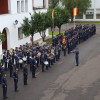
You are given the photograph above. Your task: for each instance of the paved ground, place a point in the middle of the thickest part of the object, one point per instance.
(65, 81)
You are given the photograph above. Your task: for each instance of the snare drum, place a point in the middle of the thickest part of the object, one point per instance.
(24, 58)
(46, 62)
(20, 61)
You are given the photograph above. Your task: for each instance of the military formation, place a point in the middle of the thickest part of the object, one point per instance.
(34, 56)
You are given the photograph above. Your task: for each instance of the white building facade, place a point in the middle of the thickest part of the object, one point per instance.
(12, 13)
(92, 14)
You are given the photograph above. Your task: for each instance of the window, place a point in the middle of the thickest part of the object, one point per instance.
(38, 3)
(18, 6)
(22, 6)
(26, 5)
(20, 34)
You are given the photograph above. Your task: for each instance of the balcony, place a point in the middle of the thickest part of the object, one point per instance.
(3, 6)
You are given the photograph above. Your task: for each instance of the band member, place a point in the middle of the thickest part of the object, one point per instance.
(30, 62)
(1, 72)
(10, 66)
(42, 61)
(15, 76)
(76, 56)
(33, 67)
(65, 50)
(4, 86)
(17, 60)
(20, 59)
(25, 74)
(38, 57)
(5, 60)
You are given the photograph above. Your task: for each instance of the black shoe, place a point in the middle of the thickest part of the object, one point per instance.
(16, 90)
(5, 98)
(34, 77)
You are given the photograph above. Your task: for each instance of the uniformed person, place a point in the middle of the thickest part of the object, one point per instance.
(10, 66)
(4, 86)
(5, 60)
(1, 72)
(42, 62)
(15, 76)
(25, 74)
(76, 56)
(33, 67)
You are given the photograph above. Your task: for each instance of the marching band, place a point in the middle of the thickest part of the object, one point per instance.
(46, 55)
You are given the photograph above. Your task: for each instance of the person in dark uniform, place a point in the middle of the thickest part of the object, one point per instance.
(76, 56)
(15, 76)
(30, 62)
(25, 74)
(64, 49)
(10, 66)
(5, 60)
(42, 61)
(4, 86)
(17, 60)
(33, 67)
(1, 72)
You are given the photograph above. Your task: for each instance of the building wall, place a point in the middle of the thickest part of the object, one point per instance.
(7, 21)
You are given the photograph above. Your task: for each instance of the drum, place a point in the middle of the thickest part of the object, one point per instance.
(24, 58)
(36, 62)
(3, 67)
(20, 61)
(46, 62)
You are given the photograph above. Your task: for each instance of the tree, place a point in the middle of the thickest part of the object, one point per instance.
(29, 27)
(2, 37)
(53, 3)
(51, 22)
(82, 6)
(41, 24)
(61, 17)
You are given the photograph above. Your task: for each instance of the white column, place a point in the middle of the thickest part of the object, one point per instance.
(20, 6)
(84, 16)
(46, 3)
(24, 5)
(94, 10)
(94, 13)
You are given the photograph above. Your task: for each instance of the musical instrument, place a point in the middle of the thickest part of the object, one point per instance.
(51, 57)
(46, 62)
(36, 62)
(3, 66)
(38, 55)
(24, 58)
(20, 61)
(11, 51)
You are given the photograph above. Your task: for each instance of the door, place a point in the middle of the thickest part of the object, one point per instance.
(4, 44)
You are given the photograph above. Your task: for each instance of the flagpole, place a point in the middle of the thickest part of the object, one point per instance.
(53, 24)
(74, 22)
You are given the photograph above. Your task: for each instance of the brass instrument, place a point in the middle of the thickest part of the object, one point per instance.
(11, 51)
(38, 55)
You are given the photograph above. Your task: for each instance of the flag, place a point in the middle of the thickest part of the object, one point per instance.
(63, 41)
(75, 10)
(53, 14)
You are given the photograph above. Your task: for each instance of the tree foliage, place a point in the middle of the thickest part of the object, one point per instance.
(2, 37)
(29, 27)
(82, 6)
(41, 24)
(53, 3)
(61, 17)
